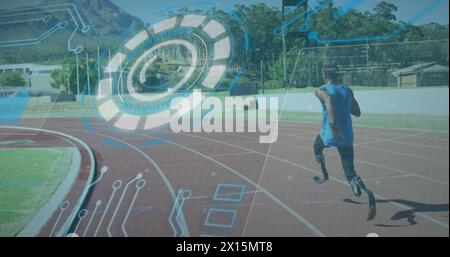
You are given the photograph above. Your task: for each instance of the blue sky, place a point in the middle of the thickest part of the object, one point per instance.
(146, 9)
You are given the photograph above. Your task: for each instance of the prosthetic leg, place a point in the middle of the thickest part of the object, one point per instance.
(358, 185)
(321, 160)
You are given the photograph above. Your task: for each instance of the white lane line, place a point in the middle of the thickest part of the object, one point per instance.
(403, 154)
(415, 134)
(150, 160)
(402, 206)
(375, 165)
(388, 177)
(275, 199)
(375, 148)
(421, 145)
(375, 130)
(230, 154)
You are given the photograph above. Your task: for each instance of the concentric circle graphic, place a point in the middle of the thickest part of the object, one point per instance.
(168, 60)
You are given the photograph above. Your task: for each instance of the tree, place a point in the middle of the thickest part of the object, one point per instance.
(66, 77)
(385, 11)
(326, 21)
(12, 79)
(260, 21)
(61, 76)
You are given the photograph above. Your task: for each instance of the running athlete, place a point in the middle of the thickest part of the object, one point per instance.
(339, 104)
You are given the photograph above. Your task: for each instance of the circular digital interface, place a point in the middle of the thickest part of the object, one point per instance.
(170, 59)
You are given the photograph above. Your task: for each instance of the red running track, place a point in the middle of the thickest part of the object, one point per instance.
(408, 170)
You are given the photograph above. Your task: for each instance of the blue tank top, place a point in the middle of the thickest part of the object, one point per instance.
(342, 100)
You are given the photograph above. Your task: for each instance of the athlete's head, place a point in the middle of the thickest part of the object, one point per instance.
(330, 74)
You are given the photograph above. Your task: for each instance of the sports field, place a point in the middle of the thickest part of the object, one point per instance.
(28, 178)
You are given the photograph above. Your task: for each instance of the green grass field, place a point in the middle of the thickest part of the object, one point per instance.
(39, 109)
(415, 121)
(268, 91)
(28, 178)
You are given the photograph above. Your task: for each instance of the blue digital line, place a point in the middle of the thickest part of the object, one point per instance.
(235, 80)
(176, 217)
(210, 235)
(347, 6)
(128, 31)
(43, 19)
(229, 225)
(228, 197)
(205, 3)
(87, 125)
(20, 11)
(277, 31)
(166, 9)
(113, 143)
(33, 41)
(13, 107)
(49, 8)
(296, 7)
(155, 141)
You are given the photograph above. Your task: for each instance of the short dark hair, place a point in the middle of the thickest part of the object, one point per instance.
(332, 72)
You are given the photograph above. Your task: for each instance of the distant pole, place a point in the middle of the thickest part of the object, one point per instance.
(87, 74)
(109, 60)
(306, 18)
(78, 75)
(68, 82)
(367, 52)
(262, 76)
(309, 71)
(98, 63)
(283, 39)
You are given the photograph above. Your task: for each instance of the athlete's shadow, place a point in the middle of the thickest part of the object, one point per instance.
(410, 214)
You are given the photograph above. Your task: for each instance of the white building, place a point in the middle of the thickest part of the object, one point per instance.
(38, 76)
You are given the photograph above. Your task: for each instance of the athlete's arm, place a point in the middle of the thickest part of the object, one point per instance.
(324, 97)
(356, 111)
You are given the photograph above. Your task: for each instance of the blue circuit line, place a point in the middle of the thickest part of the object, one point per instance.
(23, 21)
(20, 10)
(231, 224)
(33, 41)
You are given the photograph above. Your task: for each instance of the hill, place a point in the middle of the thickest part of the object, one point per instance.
(109, 25)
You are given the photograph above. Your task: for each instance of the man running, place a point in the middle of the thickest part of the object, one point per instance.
(339, 104)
